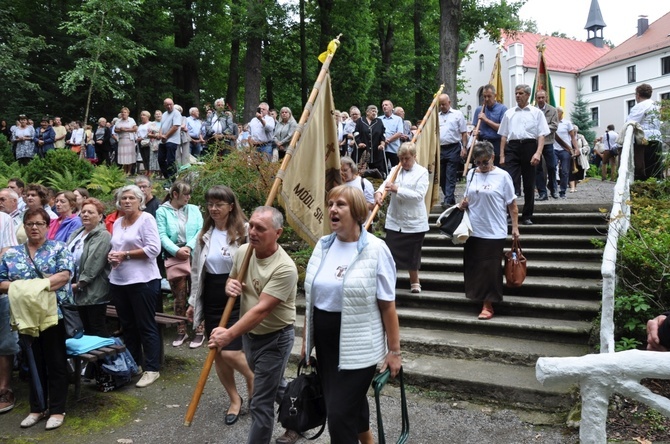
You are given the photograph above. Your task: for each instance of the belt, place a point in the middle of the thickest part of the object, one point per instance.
(521, 141)
(269, 335)
(450, 145)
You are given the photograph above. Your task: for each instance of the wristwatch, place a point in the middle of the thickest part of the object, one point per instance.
(127, 255)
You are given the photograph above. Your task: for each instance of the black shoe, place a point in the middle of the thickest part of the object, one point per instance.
(542, 197)
(231, 418)
(526, 222)
(554, 195)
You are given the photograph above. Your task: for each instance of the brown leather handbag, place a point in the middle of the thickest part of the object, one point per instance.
(515, 265)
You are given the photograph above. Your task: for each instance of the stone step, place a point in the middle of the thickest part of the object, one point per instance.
(434, 239)
(596, 219)
(526, 306)
(535, 266)
(507, 384)
(546, 329)
(535, 286)
(591, 255)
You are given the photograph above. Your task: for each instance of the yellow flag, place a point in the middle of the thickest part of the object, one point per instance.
(313, 171)
(496, 79)
(428, 155)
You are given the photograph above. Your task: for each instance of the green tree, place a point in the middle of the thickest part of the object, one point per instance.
(103, 47)
(581, 117)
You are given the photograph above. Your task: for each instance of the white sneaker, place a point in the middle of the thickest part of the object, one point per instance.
(147, 379)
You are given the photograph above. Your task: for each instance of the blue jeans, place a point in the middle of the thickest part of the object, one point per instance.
(450, 162)
(564, 164)
(136, 306)
(550, 162)
(9, 340)
(266, 150)
(267, 356)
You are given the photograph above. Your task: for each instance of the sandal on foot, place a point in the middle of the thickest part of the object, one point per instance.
(415, 288)
(487, 313)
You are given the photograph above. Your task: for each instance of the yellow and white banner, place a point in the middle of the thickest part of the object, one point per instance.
(313, 170)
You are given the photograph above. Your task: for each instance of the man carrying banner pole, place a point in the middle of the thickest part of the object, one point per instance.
(315, 204)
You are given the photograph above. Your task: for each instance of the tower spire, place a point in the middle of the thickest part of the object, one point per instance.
(594, 25)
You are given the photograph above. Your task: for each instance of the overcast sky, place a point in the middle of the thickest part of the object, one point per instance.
(569, 16)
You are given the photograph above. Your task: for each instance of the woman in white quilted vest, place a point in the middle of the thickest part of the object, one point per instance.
(351, 318)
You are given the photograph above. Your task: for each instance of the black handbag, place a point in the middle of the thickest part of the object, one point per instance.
(449, 224)
(74, 327)
(377, 384)
(303, 406)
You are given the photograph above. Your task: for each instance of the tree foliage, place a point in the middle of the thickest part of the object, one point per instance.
(244, 50)
(581, 117)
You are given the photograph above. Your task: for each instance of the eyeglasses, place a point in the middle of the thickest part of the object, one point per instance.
(35, 224)
(218, 206)
(482, 163)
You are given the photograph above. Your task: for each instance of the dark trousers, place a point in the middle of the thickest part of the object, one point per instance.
(378, 161)
(94, 318)
(145, 153)
(167, 153)
(550, 163)
(345, 390)
(392, 158)
(564, 166)
(102, 154)
(267, 356)
(51, 361)
(518, 155)
(648, 161)
(450, 162)
(135, 305)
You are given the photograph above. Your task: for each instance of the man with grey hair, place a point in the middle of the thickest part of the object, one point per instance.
(170, 139)
(548, 152)
(9, 205)
(267, 311)
(196, 130)
(490, 114)
(406, 135)
(220, 125)
(262, 130)
(523, 129)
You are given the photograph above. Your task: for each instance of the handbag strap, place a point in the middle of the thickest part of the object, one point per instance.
(516, 246)
(37, 270)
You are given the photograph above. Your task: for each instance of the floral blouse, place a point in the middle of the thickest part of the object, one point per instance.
(52, 257)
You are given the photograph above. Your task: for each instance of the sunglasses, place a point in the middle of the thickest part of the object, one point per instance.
(482, 163)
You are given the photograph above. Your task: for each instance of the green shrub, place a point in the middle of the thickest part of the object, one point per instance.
(58, 161)
(105, 179)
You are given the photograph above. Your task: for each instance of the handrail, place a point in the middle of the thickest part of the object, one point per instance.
(619, 221)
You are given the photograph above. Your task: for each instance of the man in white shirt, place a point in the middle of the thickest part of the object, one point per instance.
(393, 130)
(195, 129)
(647, 156)
(170, 139)
(453, 140)
(261, 131)
(523, 129)
(17, 185)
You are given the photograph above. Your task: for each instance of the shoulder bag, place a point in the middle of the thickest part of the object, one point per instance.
(377, 384)
(515, 266)
(303, 406)
(74, 327)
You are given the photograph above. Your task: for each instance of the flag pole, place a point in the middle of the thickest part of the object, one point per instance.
(472, 143)
(436, 99)
(325, 58)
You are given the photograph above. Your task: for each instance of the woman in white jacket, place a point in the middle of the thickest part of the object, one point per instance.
(350, 315)
(406, 218)
(223, 231)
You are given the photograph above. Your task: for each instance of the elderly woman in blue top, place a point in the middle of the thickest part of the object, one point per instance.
(178, 226)
(406, 219)
(36, 259)
(350, 315)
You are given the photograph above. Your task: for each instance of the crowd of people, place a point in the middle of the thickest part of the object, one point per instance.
(68, 249)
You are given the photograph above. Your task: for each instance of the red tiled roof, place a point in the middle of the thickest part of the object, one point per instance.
(564, 55)
(654, 38)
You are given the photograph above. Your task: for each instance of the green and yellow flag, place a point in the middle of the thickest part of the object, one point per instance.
(313, 171)
(542, 79)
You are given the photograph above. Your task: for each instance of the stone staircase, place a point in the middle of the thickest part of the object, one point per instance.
(446, 348)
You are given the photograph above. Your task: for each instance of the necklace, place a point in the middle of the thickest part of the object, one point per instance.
(486, 185)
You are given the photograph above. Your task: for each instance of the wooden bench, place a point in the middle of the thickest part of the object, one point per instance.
(162, 319)
(91, 356)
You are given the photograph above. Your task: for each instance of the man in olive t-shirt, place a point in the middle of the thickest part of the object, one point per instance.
(267, 316)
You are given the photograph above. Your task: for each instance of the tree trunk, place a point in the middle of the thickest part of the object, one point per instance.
(325, 11)
(269, 85)
(234, 67)
(304, 82)
(385, 32)
(186, 75)
(450, 19)
(256, 31)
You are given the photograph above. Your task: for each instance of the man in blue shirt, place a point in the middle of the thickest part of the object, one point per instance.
(491, 114)
(393, 129)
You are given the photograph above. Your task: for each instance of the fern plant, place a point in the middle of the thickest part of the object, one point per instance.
(106, 179)
(63, 181)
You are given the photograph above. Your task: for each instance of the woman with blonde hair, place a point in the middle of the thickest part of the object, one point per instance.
(284, 130)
